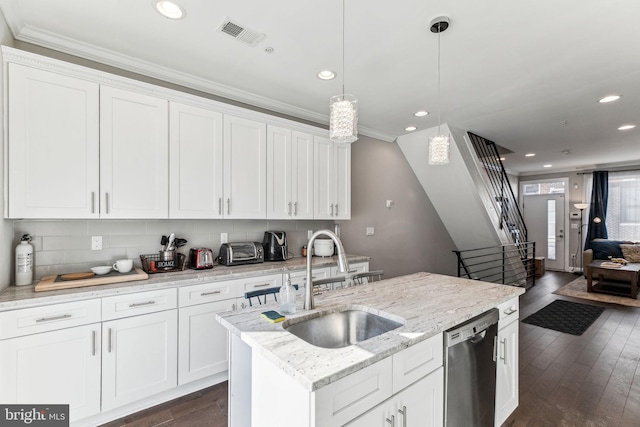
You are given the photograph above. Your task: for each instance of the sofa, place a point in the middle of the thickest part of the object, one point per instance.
(602, 249)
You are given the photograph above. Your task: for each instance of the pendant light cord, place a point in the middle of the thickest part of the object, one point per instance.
(343, 79)
(439, 31)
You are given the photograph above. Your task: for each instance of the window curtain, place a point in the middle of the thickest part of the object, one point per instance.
(598, 208)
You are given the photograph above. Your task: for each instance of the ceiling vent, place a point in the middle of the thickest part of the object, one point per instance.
(240, 32)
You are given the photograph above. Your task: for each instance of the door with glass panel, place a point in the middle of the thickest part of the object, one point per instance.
(544, 217)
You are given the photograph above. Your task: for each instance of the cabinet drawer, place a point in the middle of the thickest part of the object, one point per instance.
(138, 303)
(416, 362)
(28, 321)
(259, 283)
(509, 311)
(351, 396)
(207, 292)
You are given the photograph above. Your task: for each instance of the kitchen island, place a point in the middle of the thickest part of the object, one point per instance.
(288, 381)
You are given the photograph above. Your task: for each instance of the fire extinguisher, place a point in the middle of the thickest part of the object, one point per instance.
(24, 261)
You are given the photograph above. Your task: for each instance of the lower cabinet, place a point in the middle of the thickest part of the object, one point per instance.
(507, 372)
(58, 367)
(139, 357)
(419, 405)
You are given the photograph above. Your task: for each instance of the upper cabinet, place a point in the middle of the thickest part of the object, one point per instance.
(53, 141)
(332, 179)
(289, 174)
(195, 162)
(134, 155)
(245, 162)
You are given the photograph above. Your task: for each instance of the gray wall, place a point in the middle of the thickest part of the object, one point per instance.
(409, 237)
(6, 225)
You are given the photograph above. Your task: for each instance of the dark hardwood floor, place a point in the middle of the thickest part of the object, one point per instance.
(565, 380)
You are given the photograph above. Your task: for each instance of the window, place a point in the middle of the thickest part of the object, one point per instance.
(551, 187)
(623, 206)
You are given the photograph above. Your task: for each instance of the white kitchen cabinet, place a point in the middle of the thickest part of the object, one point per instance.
(507, 372)
(332, 179)
(419, 405)
(57, 367)
(245, 162)
(139, 358)
(289, 174)
(134, 155)
(300, 278)
(53, 145)
(195, 162)
(355, 268)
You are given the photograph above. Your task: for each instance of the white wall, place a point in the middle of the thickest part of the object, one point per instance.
(6, 226)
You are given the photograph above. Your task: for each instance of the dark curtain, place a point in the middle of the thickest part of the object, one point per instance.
(598, 208)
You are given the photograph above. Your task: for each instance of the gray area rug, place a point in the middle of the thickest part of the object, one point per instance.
(578, 289)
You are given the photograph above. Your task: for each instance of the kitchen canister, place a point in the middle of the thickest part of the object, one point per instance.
(24, 261)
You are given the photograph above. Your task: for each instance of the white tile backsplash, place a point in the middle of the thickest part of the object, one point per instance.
(64, 246)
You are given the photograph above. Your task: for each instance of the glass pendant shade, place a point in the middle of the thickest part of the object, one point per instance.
(343, 118)
(439, 150)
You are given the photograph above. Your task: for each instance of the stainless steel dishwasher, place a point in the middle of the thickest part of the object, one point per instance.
(470, 372)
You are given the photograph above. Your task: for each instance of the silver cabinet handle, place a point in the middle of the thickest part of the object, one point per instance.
(49, 319)
(110, 340)
(403, 412)
(510, 311)
(243, 305)
(204, 294)
(219, 205)
(392, 421)
(504, 350)
(140, 304)
(337, 212)
(495, 348)
(331, 210)
(228, 206)
(262, 285)
(93, 202)
(106, 198)
(289, 208)
(233, 307)
(295, 208)
(93, 343)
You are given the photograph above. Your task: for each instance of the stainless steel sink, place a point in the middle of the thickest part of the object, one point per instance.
(341, 329)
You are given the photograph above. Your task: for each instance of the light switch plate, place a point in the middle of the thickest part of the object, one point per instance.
(224, 238)
(96, 243)
(309, 233)
(370, 231)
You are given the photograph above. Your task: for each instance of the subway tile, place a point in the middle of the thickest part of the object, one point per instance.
(51, 227)
(113, 227)
(53, 243)
(280, 225)
(133, 240)
(212, 226)
(166, 227)
(103, 257)
(249, 225)
(49, 258)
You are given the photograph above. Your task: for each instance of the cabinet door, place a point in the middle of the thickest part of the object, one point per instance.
(341, 172)
(53, 141)
(507, 372)
(322, 178)
(195, 162)
(245, 161)
(139, 357)
(302, 170)
(203, 342)
(279, 173)
(422, 404)
(58, 367)
(134, 155)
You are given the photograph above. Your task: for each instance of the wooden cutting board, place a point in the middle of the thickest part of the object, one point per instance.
(53, 283)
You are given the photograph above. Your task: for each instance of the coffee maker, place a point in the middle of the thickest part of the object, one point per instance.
(275, 246)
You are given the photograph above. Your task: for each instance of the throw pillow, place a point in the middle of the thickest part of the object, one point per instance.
(631, 252)
(603, 249)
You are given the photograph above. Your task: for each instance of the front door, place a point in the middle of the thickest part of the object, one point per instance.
(544, 217)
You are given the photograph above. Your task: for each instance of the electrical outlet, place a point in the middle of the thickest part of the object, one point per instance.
(389, 203)
(309, 233)
(573, 256)
(224, 238)
(96, 243)
(370, 231)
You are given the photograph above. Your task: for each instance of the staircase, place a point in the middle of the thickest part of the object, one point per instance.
(475, 201)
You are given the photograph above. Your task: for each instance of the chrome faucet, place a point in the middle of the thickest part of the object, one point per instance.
(343, 264)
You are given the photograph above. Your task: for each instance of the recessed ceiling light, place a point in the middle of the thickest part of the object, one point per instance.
(170, 9)
(530, 154)
(326, 75)
(503, 158)
(626, 127)
(421, 113)
(609, 98)
(546, 166)
(410, 128)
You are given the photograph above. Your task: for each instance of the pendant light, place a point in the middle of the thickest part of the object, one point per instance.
(439, 144)
(343, 109)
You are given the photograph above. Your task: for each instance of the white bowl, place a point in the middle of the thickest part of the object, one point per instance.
(100, 270)
(323, 247)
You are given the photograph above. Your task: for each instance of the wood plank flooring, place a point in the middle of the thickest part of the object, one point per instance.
(565, 380)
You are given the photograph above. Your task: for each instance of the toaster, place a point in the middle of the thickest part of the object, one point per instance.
(241, 253)
(200, 258)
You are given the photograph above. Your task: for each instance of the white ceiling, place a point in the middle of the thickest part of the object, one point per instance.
(512, 71)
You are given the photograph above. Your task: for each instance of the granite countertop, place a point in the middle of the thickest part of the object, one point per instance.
(427, 304)
(15, 297)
